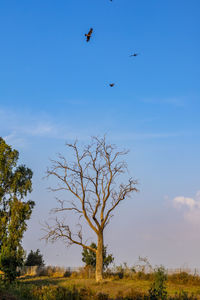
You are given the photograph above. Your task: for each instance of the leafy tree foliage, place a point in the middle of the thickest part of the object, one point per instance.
(89, 257)
(15, 184)
(34, 259)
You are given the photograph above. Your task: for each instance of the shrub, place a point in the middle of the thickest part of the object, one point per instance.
(74, 275)
(120, 274)
(51, 271)
(85, 293)
(183, 278)
(67, 273)
(120, 271)
(158, 288)
(86, 272)
(102, 296)
(182, 295)
(144, 276)
(136, 295)
(50, 292)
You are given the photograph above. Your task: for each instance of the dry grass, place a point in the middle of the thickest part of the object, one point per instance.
(111, 286)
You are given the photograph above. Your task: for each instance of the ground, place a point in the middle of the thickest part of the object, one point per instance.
(112, 287)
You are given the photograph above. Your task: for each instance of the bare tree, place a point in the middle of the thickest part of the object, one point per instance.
(92, 180)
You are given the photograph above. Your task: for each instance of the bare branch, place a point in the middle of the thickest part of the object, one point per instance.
(124, 192)
(61, 231)
(92, 180)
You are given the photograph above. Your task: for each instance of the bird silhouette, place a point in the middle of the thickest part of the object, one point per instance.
(111, 84)
(89, 34)
(134, 54)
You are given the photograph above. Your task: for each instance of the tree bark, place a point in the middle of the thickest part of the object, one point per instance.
(99, 258)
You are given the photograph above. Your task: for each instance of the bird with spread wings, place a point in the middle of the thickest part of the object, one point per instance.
(89, 34)
(134, 54)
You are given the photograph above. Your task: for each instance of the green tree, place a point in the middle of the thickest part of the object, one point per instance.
(89, 257)
(15, 184)
(34, 259)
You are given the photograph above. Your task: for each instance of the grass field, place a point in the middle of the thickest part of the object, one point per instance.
(112, 287)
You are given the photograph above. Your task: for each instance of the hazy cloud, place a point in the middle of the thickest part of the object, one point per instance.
(190, 206)
(13, 139)
(41, 129)
(190, 202)
(18, 127)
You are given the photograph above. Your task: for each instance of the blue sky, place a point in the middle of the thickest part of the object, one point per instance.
(54, 87)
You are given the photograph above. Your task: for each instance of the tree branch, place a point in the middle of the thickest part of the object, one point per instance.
(61, 231)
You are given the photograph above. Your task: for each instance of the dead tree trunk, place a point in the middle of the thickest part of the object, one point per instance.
(99, 258)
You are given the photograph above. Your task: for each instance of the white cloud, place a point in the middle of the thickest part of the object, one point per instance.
(191, 207)
(190, 202)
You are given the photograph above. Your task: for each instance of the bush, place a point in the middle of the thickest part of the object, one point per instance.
(102, 296)
(144, 276)
(158, 288)
(67, 273)
(182, 295)
(51, 271)
(120, 274)
(183, 278)
(86, 272)
(136, 295)
(50, 292)
(74, 275)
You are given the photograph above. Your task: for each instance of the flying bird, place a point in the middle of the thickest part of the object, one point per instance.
(111, 84)
(134, 54)
(89, 34)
